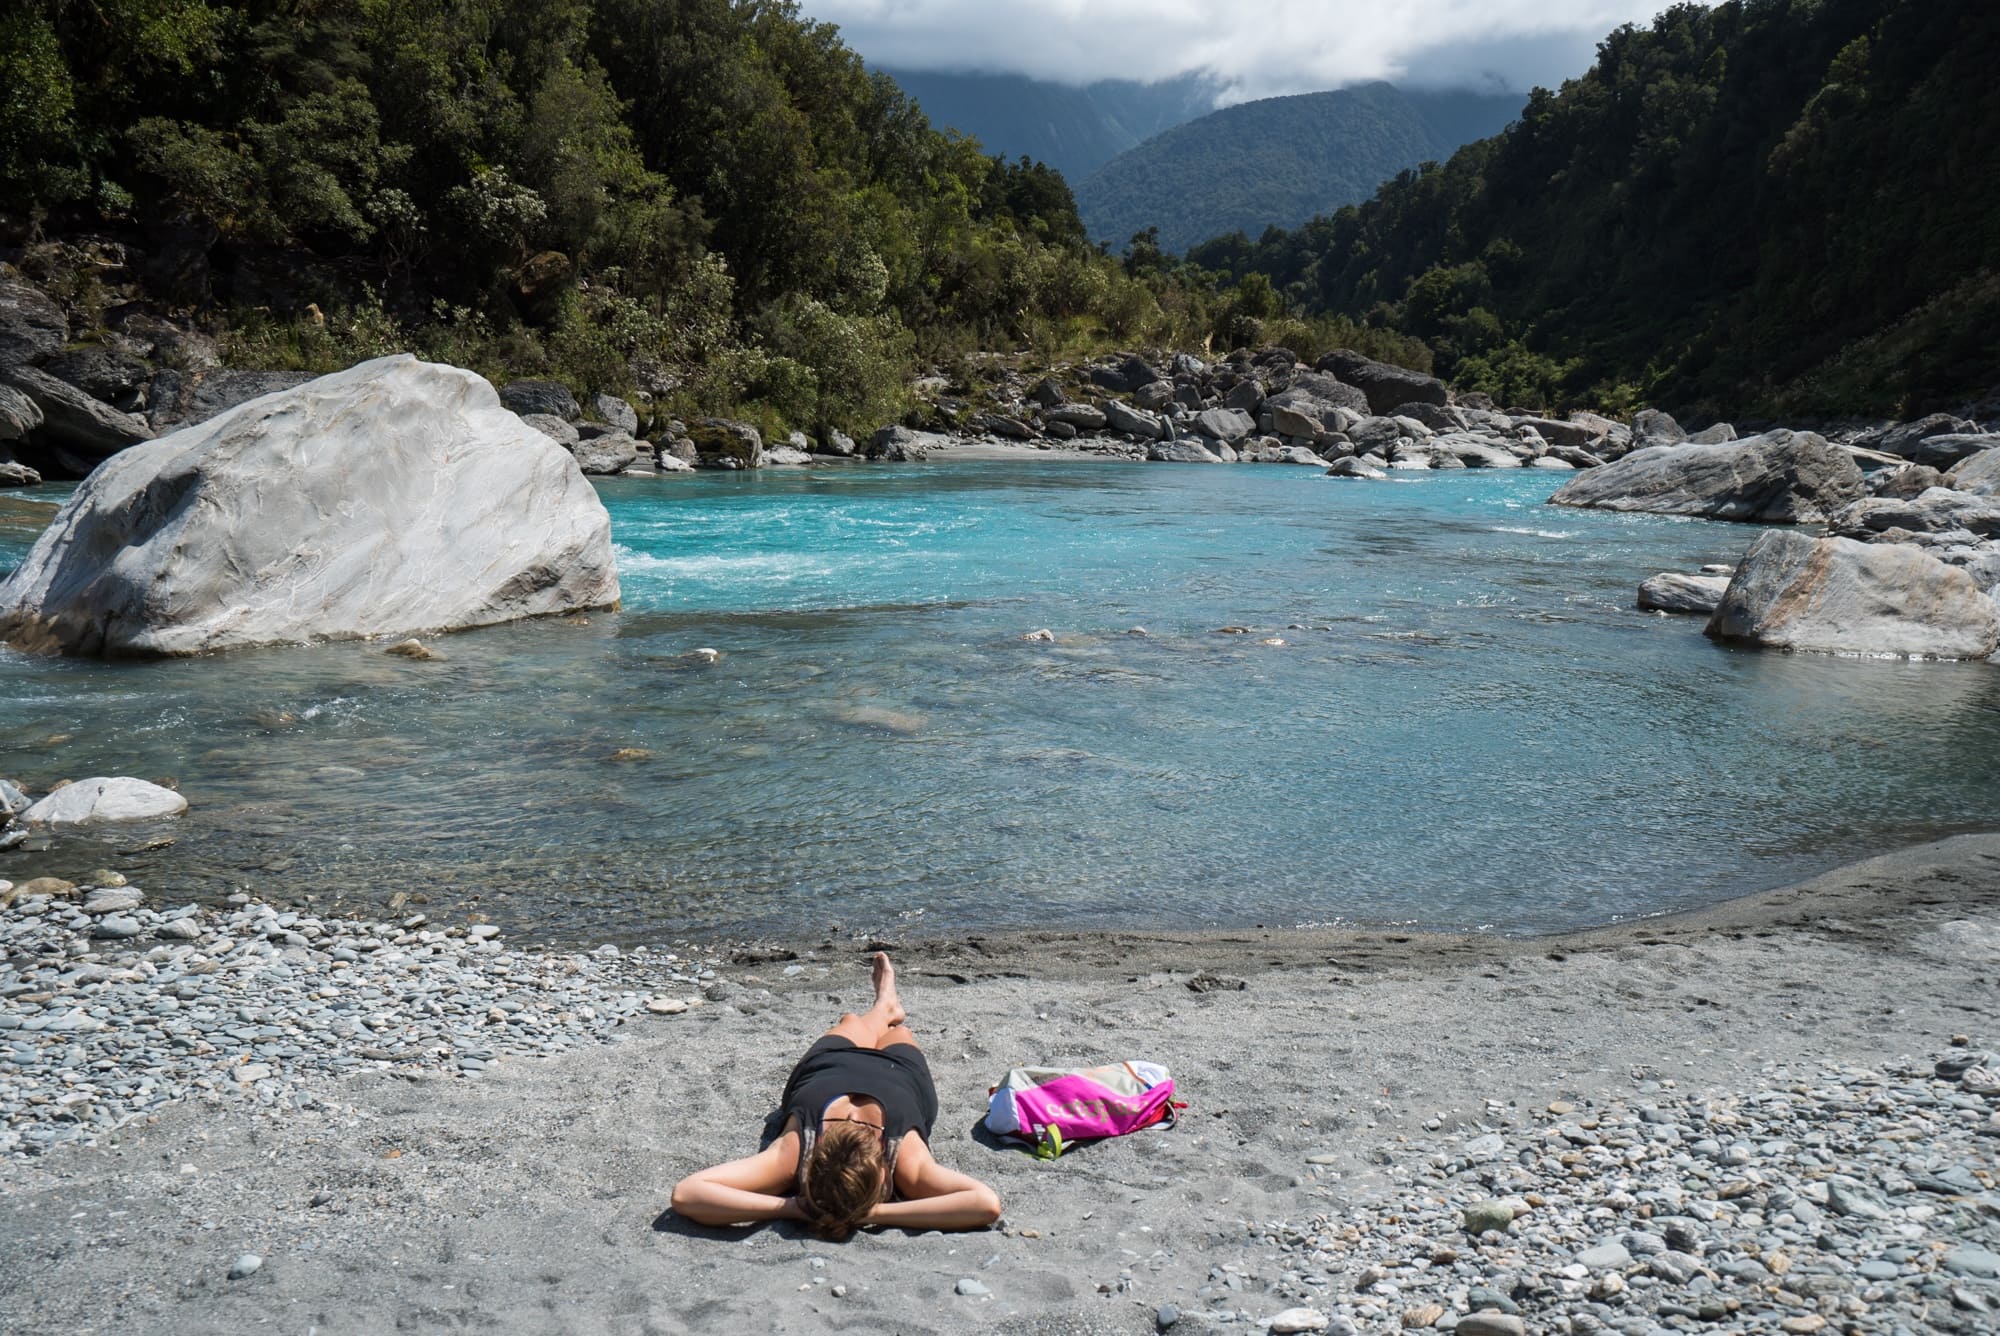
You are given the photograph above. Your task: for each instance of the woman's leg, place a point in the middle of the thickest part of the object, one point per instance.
(883, 1023)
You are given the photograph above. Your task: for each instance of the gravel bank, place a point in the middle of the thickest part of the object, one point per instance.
(1751, 1120)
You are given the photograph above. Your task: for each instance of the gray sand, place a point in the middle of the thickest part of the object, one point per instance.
(534, 1199)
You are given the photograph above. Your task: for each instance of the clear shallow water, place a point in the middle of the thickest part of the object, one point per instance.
(1475, 729)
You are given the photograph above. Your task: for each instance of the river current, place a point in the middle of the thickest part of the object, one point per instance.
(1468, 725)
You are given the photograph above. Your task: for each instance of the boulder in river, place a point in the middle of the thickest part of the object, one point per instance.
(93, 802)
(1782, 477)
(1978, 474)
(1936, 510)
(606, 456)
(1229, 425)
(397, 496)
(1651, 426)
(1387, 387)
(1673, 592)
(1838, 596)
(1084, 417)
(1133, 421)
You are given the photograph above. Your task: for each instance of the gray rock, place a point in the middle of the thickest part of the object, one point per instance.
(104, 801)
(1297, 1320)
(1436, 417)
(999, 424)
(116, 927)
(1491, 1324)
(1491, 1216)
(1674, 592)
(1557, 432)
(1978, 474)
(1944, 452)
(557, 430)
(616, 412)
(720, 443)
(1047, 393)
(837, 442)
(1185, 451)
(77, 431)
(1782, 477)
(32, 327)
(13, 802)
(900, 445)
(1846, 1197)
(1325, 388)
(1154, 397)
(1165, 1316)
(972, 1289)
(1387, 387)
(1133, 421)
(1245, 396)
(19, 414)
(179, 401)
(18, 475)
(114, 901)
(606, 456)
(1474, 452)
(1910, 480)
(550, 397)
(1838, 596)
(1084, 417)
(103, 372)
(430, 507)
(1906, 438)
(1976, 1262)
(1714, 434)
(1652, 427)
(1936, 510)
(1605, 1257)
(249, 1264)
(1228, 425)
(1124, 374)
(1353, 467)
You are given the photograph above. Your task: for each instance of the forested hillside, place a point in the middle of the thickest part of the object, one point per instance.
(1075, 130)
(1787, 204)
(1278, 161)
(713, 202)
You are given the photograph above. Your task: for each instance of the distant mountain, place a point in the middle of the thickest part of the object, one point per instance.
(1279, 161)
(1074, 130)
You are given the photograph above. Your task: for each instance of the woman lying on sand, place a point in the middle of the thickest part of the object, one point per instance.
(855, 1149)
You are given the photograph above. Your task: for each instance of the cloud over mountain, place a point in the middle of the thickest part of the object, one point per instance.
(1253, 48)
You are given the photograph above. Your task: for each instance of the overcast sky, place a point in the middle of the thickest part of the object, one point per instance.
(1256, 48)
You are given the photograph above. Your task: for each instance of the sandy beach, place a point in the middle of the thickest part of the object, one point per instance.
(1332, 1078)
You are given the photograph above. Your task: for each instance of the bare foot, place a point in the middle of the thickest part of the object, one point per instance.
(886, 998)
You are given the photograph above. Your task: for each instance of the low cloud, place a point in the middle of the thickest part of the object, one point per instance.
(1253, 48)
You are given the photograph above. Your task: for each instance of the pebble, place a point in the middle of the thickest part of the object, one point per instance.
(1297, 1320)
(1490, 1324)
(1488, 1217)
(249, 1264)
(972, 1289)
(110, 1017)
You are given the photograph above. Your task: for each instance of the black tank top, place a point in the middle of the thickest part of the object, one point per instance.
(897, 1077)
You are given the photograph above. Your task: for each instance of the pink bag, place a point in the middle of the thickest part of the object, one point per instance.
(1053, 1108)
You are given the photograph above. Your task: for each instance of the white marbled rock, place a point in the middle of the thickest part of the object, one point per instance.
(1837, 596)
(395, 497)
(93, 802)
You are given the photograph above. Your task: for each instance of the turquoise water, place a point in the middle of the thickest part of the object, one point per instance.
(1468, 726)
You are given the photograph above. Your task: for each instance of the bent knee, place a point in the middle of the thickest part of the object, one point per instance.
(989, 1206)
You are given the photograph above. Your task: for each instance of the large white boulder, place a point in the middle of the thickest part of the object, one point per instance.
(92, 802)
(1838, 596)
(392, 498)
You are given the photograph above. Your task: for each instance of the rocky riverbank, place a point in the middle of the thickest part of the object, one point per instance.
(116, 1007)
(1775, 1116)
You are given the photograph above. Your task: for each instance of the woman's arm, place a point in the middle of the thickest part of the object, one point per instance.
(745, 1191)
(935, 1197)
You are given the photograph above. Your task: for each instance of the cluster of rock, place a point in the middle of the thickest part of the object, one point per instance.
(1363, 417)
(1910, 561)
(1833, 1200)
(397, 496)
(111, 1007)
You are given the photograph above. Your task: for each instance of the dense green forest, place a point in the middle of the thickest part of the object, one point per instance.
(712, 200)
(1278, 161)
(1768, 205)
